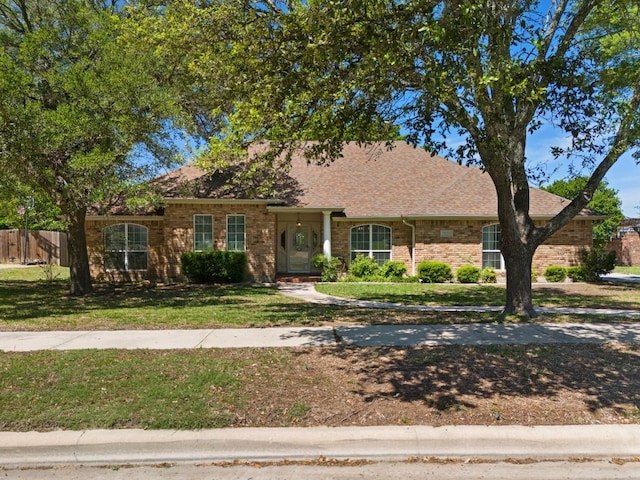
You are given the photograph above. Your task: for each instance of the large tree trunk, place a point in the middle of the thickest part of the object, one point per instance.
(519, 300)
(78, 256)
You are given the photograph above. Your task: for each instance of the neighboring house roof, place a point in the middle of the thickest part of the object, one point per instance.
(369, 181)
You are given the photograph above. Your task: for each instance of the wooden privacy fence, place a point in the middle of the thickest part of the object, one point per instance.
(38, 246)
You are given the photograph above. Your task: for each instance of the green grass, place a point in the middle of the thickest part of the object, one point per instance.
(30, 302)
(31, 305)
(548, 295)
(119, 389)
(628, 270)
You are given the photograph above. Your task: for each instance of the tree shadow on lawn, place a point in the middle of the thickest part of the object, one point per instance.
(588, 295)
(444, 377)
(448, 295)
(25, 300)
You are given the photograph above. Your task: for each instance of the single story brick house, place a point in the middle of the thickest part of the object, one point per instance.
(400, 204)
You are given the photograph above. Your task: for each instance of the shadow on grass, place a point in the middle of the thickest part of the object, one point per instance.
(21, 300)
(604, 295)
(452, 377)
(584, 295)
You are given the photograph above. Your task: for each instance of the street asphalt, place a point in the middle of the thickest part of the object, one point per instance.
(119, 447)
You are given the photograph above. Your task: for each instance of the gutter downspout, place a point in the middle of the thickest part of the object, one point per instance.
(413, 244)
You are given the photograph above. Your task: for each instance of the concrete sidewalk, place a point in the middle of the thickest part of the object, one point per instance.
(273, 444)
(360, 336)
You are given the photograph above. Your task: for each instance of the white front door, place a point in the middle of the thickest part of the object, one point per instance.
(299, 248)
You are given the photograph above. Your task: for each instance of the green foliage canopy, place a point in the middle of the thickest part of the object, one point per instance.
(76, 100)
(604, 200)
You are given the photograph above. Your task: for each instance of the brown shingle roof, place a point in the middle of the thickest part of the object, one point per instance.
(374, 181)
(369, 181)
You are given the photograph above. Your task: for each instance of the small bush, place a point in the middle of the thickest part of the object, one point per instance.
(468, 274)
(488, 275)
(434, 272)
(363, 266)
(534, 274)
(578, 273)
(555, 274)
(328, 266)
(598, 262)
(214, 267)
(393, 269)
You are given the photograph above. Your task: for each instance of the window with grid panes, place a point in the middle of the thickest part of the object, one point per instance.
(491, 255)
(371, 240)
(202, 233)
(236, 233)
(126, 247)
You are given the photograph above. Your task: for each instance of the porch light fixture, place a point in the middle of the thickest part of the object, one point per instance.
(298, 222)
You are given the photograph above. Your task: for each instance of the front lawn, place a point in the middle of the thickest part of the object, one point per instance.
(585, 295)
(29, 302)
(333, 386)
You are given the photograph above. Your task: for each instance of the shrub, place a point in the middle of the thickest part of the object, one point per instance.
(534, 274)
(393, 269)
(214, 267)
(328, 266)
(468, 274)
(578, 273)
(598, 262)
(555, 273)
(434, 272)
(363, 266)
(488, 275)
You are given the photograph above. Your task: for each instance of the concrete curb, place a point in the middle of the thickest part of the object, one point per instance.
(272, 444)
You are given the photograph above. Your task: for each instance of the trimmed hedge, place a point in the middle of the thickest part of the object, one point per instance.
(363, 266)
(468, 274)
(555, 274)
(488, 275)
(434, 272)
(393, 269)
(214, 267)
(578, 273)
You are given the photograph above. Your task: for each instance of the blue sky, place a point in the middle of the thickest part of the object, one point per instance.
(624, 176)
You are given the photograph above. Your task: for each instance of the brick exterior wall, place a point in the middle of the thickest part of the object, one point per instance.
(627, 249)
(457, 242)
(172, 234)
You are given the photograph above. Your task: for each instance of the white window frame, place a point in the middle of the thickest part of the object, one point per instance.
(128, 249)
(371, 251)
(199, 240)
(491, 250)
(234, 242)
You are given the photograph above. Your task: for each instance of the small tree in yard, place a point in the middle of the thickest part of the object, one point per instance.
(491, 72)
(76, 100)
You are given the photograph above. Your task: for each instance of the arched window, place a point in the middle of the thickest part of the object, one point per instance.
(371, 240)
(491, 256)
(125, 247)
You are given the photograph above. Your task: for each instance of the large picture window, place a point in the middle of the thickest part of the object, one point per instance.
(236, 233)
(126, 247)
(202, 233)
(371, 240)
(491, 255)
